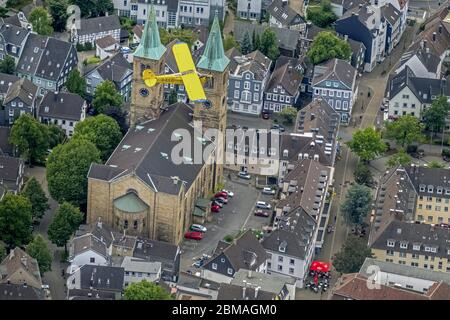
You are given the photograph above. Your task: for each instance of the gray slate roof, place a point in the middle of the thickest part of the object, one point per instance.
(436, 177)
(391, 14)
(154, 250)
(273, 283)
(114, 69)
(87, 294)
(235, 292)
(255, 62)
(6, 148)
(102, 277)
(61, 105)
(99, 24)
(286, 75)
(88, 242)
(19, 292)
(149, 152)
(348, 4)
(106, 41)
(6, 80)
(9, 168)
(12, 33)
(281, 11)
(23, 89)
(335, 69)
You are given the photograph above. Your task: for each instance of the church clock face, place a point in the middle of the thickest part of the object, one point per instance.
(143, 92)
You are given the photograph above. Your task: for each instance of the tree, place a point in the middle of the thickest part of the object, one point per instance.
(8, 65)
(434, 116)
(173, 97)
(435, 164)
(326, 45)
(58, 11)
(94, 8)
(357, 204)
(3, 14)
(102, 131)
(102, 7)
(146, 290)
(352, 255)
(321, 15)
(41, 21)
(30, 137)
(76, 83)
(288, 114)
(2, 252)
(106, 95)
(39, 201)
(229, 42)
(400, 158)
(367, 144)
(184, 35)
(66, 221)
(256, 41)
(363, 175)
(56, 135)
(246, 46)
(268, 45)
(15, 220)
(67, 168)
(405, 130)
(119, 115)
(39, 250)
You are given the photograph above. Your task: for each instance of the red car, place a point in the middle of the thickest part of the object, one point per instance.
(215, 208)
(194, 235)
(221, 194)
(261, 213)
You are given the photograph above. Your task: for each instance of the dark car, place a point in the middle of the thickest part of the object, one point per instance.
(265, 115)
(278, 127)
(221, 200)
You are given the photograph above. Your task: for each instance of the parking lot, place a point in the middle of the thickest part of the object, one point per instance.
(233, 217)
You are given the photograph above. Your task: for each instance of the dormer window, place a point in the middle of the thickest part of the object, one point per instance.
(439, 190)
(390, 243)
(427, 249)
(447, 191)
(430, 189)
(433, 249)
(404, 245)
(416, 247)
(281, 249)
(422, 188)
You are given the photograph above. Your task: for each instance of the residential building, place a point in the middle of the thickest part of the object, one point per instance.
(106, 47)
(90, 294)
(339, 7)
(288, 40)
(358, 54)
(290, 246)
(102, 278)
(393, 30)
(335, 82)
(140, 189)
(282, 286)
(19, 99)
(88, 249)
(402, 6)
(246, 252)
(166, 11)
(354, 287)
(20, 269)
(235, 292)
(200, 12)
(137, 270)
(12, 171)
(12, 40)
(193, 287)
(283, 88)
(367, 25)
(248, 77)
(283, 16)
(422, 62)
(18, 19)
(417, 245)
(249, 9)
(6, 148)
(46, 62)
(410, 95)
(9, 291)
(307, 37)
(116, 69)
(63, 109)
(92, 29)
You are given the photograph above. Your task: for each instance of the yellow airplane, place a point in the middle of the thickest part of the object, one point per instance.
(188, 76)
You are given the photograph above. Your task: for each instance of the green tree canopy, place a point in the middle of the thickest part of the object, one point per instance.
(15, 220)
(94, 8)
(8, 65)
(435, 164)
(76, 83)
(56, 135)
(67, 168)
(434, 116)
(39, 201)
(30, 137)
(102, 131)
(65, 222)
(146, 290)
(2, 252)
(183, 35)
(58, 11)
(367, 144)
(120, 116)
(268, 45)
(229, 42)
(363, 175)
(246, 46)
(39, 250)
(405, 130)
(41, 21)
(256, 41)
(326, 45)
(105, 96)
(288, 114)
(321, 15)
(400, 158)
(352, 255)
(357, 204)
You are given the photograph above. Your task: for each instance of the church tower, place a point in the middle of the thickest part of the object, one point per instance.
(145, 101)
(215, 63)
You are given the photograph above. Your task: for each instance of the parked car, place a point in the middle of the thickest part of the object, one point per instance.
(216, 203)
(268, 190)
(125, 50)
(194, 235)
(278, 127)
(198, 228)
(221, 194)
(265, 115)
(229, 193)
(262, 205)
(244, 175)
(215, 208)
(262, 213)
(221, 200)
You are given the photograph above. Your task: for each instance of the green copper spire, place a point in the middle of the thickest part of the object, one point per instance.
(214, 57)
(150, 46)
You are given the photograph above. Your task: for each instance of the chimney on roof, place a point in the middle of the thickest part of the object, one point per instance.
(243, 292)
(256, 292)
(55, 95)
(175, 180)
(313, 116)
(99, 223)
(434, 36)
(24, 260)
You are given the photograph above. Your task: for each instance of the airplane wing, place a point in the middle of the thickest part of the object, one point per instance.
(189, 75)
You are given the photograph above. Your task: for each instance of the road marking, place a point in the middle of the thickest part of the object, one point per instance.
(251, 211)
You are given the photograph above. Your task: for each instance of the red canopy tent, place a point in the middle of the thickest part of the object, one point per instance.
(320, 266)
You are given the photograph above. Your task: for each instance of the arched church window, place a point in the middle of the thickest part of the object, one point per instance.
(132, 190)
(125, 224)
(135, 224)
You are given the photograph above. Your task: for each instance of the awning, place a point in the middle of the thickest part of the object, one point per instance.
(320, 266)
